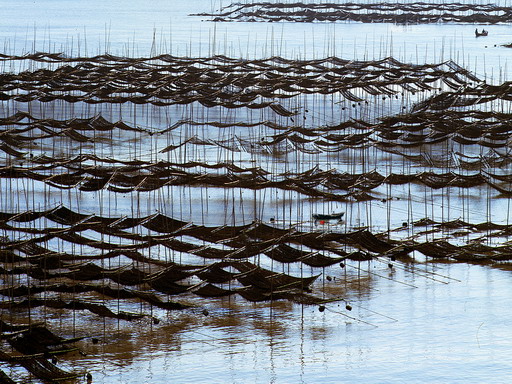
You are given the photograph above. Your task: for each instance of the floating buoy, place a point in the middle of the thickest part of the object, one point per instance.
(321, 308)
(205, 312)
(348, 307)
(329, 278)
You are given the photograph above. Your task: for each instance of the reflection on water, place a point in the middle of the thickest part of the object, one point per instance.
(388, 320)
(439, 331)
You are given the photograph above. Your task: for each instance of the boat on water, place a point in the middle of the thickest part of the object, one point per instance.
(483, 33)
(332, 216)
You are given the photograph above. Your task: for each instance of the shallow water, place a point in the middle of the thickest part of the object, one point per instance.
(131, 29)
(413, 323)
(404, 327)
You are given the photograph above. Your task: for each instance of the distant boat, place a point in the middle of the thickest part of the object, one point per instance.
(332, 216)
(483, 33)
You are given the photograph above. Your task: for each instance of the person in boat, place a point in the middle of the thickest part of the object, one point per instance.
(483, 33)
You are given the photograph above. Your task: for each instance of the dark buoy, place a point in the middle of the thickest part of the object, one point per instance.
(329, 278)
(404, 224)
(390, 266)
(156, 321)
(205, 312)
(348, 307)
(88, 376)
(342, 265)
(95, 340)
(321, 308)
(272, 219)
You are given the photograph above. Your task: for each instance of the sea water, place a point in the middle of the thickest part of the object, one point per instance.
(414, 323)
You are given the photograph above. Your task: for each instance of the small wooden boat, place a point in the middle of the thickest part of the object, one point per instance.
(332, 216)
(483, 33)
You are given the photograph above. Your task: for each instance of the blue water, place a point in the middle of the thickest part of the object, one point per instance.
(436, 332)
(406, 326)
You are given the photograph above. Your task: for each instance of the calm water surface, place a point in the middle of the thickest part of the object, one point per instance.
(404, 327)
(428, 323)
